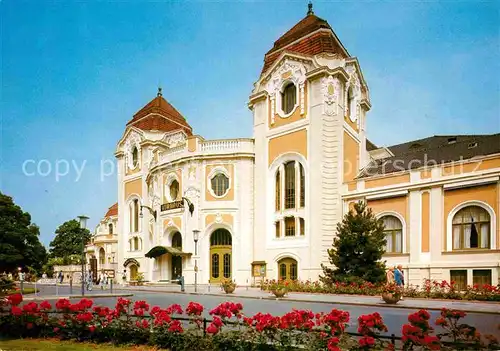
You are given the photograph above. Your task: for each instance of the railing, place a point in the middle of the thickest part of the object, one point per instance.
(220, 145)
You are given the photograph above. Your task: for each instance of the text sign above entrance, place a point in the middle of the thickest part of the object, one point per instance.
(172, 205)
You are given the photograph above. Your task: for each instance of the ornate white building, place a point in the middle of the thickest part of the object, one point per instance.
(269, 205)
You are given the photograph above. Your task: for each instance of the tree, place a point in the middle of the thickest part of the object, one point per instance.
(68, 241)
(357, 248)
(20, 245)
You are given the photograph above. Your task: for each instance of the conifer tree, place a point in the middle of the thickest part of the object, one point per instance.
(357, 248)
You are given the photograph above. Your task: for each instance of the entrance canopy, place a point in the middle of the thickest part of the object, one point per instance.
(161, 250)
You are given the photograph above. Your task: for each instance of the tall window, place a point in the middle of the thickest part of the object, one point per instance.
(135, 156)
(290, 185)
(290, 226)
(220, 184)
(288, 98)
(302, 224)
(471, 228)
(136, 215)
(350, 100)
(302, 186)
(278, 191)
(174, 190)
(277, 225)
(136, 244)
(110, 228)
(102, 256)
(393, 233)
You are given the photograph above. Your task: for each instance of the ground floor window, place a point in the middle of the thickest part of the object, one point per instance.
(481, 276)
(460, 278)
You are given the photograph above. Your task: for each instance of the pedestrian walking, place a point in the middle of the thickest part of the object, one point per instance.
(399, 278)
(106, 280)
(89, 281)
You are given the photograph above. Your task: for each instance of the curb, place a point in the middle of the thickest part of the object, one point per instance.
(75, 296)
(363, 304)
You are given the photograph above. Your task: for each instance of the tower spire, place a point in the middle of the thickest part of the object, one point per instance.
(159, 92)
(310, 8)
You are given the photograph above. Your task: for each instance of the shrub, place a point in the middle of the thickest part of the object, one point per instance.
(136, 323)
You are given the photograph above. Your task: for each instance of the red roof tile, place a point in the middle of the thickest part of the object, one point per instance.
(112, 211)
(159, 114)
(320, 42)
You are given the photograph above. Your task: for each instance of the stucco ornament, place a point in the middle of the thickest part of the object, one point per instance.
(175, 139)
(133, 141)
(153, 157)
(289, 71)
(355, 84)
(218, 218)
(330, 87)
(192, 173)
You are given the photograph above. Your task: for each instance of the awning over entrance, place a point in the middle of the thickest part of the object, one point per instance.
(161, 250)
(131, 261)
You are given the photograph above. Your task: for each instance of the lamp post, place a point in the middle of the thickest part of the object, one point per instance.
(153, 212)
(83, 225)
(196, 234)
(190, 205)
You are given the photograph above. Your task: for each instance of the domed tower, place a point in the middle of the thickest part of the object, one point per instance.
(309, 106)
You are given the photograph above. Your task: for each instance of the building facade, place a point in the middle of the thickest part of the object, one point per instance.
(268, 206)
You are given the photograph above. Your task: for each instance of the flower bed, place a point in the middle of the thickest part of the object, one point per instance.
(176, 328)
(430, 289)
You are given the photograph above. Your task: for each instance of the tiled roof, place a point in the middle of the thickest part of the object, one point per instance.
(112, 211)
(159, 114)
(312, 45)
(434, 150)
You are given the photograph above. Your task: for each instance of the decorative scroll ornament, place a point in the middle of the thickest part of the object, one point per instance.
(355, 85)
(133, 141)
(330, 88)
(192, 173)
(289, 71)
(218, 218)
(176, 139)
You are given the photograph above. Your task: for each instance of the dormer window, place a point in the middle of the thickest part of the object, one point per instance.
(288, 98)
(472, 145)
(452, 140)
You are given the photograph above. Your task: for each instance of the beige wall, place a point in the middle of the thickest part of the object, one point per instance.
(387, 180)
(226, 218)
(291, 142)
(351, 157)
(133, 187)
(426, 214)
(471, 166)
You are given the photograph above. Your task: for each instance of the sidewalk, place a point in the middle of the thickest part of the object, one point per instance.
(32, 297)
(359, 300)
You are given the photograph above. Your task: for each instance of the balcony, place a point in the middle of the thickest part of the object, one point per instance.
(209, 147)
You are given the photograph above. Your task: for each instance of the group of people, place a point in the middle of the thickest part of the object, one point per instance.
(396, 275)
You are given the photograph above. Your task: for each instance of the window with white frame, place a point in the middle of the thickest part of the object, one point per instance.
(394, 234)
(471, 228)
(220, 184)
(135, 157)
(174, 190)
(288, 98)
(289, 199)
(134, 215)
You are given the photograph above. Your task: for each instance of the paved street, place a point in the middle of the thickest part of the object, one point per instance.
(394, 317)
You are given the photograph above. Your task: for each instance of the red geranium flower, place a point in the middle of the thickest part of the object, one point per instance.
(15, 299)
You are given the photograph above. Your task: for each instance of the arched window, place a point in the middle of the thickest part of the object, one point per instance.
(110, 228)
(290, 185)
(287, 269)
(136, 215)
(393, 234)
(350, 101)
(177, 240)
(102, 256)
(278, 191)
(220, 184)
(135, 156)
(302, 186)
(471, 228)
(174, 190)
(136, 244)
(288, 98)
(220, 237)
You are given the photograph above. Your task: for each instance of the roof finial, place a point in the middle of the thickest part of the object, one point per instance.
(310, 8)
(159, 92)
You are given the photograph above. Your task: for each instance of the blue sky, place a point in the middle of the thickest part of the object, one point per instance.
(73, 74)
